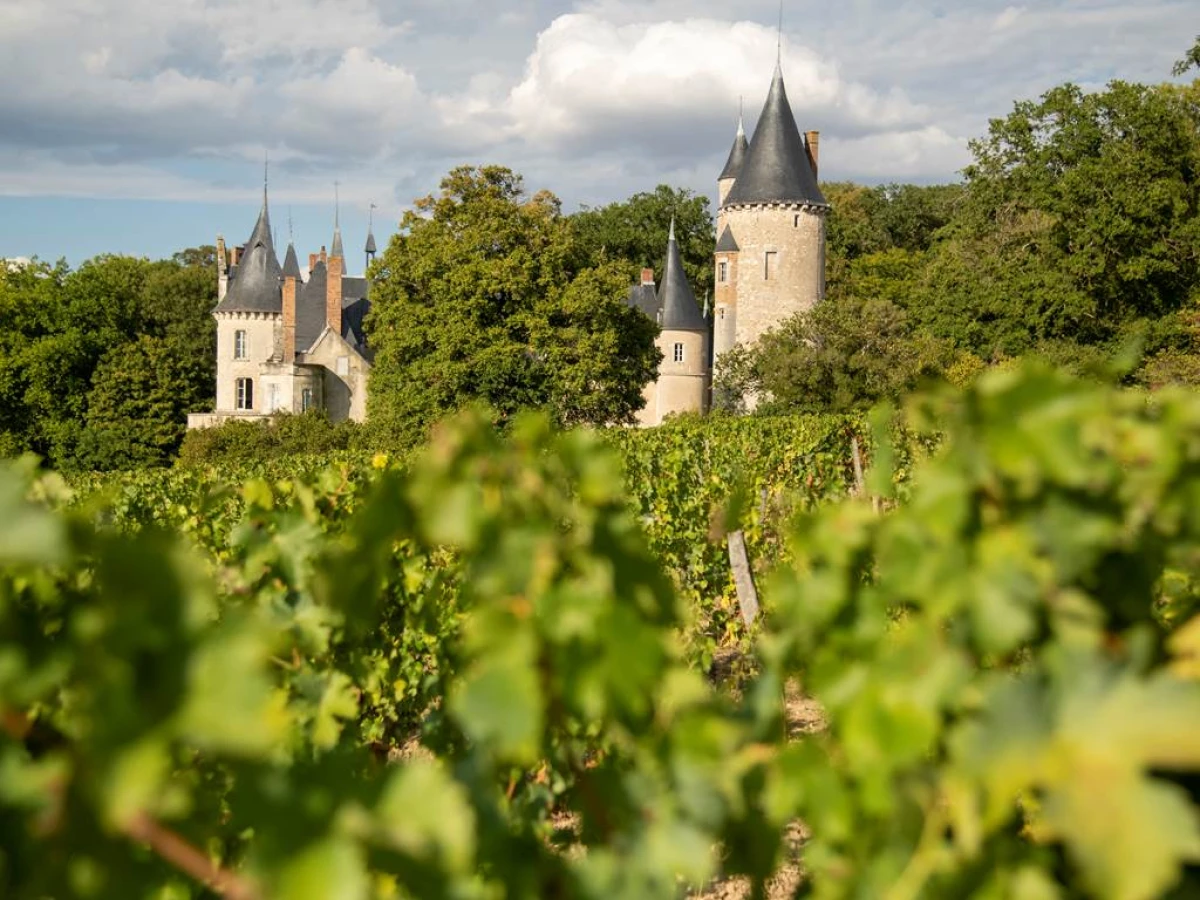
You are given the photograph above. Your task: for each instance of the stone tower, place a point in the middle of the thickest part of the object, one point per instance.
(683, 375)
(770, 253)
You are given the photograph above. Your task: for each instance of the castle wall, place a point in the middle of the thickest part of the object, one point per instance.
(795, 279)
(263, 332)
(345, 377)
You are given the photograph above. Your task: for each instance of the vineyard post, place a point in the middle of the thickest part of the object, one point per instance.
(743, 577)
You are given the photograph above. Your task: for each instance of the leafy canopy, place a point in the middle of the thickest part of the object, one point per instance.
(479, 298)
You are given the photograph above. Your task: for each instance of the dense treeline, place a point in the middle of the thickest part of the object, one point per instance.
(99, 366)
(1074, 236)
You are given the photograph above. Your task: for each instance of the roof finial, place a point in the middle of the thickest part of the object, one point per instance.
(291, 233)
(266, 172)
(779, 39)
(336, 203)
(741, 115)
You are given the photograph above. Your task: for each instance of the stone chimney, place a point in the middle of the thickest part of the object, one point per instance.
(312, 263)
(647, 276)
(233, 256)
(322, 256)
(812, 145)
(333, 292)
(289, 319)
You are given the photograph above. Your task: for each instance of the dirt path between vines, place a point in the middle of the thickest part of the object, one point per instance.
(804, 716)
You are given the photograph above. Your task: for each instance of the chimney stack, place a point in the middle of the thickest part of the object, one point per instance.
(323, 257)
(812, 144)
(333, 292)
(222, 269)
(312, 263)
(233, 256)
(647, 276)
(289, 319)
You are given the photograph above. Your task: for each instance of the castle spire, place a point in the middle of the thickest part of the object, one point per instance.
(776, 167)
(370, 247)
(737, 153)
(680, 311)
(335, 248)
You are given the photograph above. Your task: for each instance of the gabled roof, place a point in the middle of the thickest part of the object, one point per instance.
(727, 244)
(254, 286)
(737, 154)
(776, 168)
(291, 265)
(310, 307)
(680, 311)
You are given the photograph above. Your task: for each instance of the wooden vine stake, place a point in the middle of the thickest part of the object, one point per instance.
(743, 577)
(860, 486)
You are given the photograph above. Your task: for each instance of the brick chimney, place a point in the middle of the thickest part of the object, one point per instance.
(312, 263)
(323, 258)
(333, 292)
(647, 276)
(289, 319)
(233, 256)
(812, 144)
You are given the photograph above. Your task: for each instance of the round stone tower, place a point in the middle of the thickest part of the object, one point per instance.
(770, 254)
(683, 374)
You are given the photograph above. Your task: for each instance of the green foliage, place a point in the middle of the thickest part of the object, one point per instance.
(1080, 212)
(131, 338)
(478, 299)
(1191, 60)
(844, 354)
(1006, 658)
(634, 232)
(1000, 658)
(283, 435)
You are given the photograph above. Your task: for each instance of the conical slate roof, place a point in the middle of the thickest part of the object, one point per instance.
(291, 265)
(335, 249)
(680, 311)
(737, 154)
(776, 168)
(255, 283)
(370, 248)
(727, 244)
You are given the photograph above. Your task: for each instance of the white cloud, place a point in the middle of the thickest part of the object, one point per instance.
(587, 73)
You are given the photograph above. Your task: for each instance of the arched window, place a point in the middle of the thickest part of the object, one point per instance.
(245, 393)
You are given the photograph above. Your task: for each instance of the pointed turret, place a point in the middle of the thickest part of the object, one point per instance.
(680, 311)
(291, 264)
(776, 168)
(370, 249)
(254, 286)
(737, 154)
(335, 249)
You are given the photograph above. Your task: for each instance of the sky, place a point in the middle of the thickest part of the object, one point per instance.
(141, 126)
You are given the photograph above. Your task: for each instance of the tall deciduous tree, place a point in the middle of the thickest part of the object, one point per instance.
(479, 298)
(1082, 216)
(634, 232)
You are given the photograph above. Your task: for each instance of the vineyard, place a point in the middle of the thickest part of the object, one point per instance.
(482, 670)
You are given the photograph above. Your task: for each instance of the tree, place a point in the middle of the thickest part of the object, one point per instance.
(634, 232)
(137, 410)
(1082, 215)
(480, 298)
(1191, 60)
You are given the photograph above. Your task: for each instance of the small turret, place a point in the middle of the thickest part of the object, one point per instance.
(733, 165)
(370, 247)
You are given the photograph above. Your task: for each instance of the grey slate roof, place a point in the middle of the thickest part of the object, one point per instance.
(310, 307)
(291, 265)
(680, 311)
(776, 169)
(254, 284)
(727, 244)
(644, 297)
(336, 248)
(737, 154)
